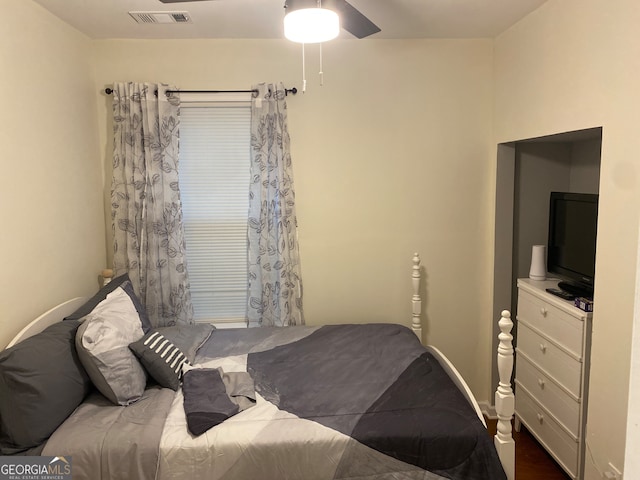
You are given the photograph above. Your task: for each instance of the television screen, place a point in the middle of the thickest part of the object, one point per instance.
(573, 219)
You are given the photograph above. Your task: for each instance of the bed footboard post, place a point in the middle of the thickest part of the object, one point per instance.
(504, 398)
(416, 302)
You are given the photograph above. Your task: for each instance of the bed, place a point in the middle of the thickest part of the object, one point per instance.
(311, 402)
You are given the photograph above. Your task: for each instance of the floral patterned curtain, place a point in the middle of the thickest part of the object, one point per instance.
(275, 284)
(146, 210)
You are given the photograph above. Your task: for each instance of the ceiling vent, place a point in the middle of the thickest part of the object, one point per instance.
(161, 17)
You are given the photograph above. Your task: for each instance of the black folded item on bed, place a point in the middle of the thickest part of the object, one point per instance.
(206, 403)
(211, 396)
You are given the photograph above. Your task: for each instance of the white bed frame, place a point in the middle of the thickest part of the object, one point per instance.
(49, 317)
(504, 398)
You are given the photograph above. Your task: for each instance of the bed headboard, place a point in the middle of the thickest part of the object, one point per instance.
(50, 317)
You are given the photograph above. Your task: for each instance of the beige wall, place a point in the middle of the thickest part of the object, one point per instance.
(52, 239)
(391, 156)
(569, 65)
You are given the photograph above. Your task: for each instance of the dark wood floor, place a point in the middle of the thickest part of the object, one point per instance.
(532, 461)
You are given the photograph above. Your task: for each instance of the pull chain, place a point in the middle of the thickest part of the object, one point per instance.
(304, 74)
(304, 71)
(321, 72)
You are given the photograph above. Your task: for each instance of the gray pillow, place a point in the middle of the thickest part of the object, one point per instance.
(102, 342)
(161, 358)
(163, 351)
(41, 383)
(188, 338)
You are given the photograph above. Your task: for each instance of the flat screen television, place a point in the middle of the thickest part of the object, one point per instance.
(571, 249)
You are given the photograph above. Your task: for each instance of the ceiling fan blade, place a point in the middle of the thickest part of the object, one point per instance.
(355, 22)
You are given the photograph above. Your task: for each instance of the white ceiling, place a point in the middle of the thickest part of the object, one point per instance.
(263, 18)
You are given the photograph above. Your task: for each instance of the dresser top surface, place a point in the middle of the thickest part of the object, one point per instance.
(538, 287)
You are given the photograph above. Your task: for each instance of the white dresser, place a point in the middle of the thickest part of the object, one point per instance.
(552, 372)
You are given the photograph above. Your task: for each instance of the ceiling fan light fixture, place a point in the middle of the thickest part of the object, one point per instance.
(311, 25)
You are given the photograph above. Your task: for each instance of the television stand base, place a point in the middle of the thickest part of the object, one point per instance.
(576, 290)
(561, 293)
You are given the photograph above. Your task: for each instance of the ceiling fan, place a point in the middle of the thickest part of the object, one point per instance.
(351, 19)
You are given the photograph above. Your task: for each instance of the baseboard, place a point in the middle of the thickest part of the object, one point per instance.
(488, 410)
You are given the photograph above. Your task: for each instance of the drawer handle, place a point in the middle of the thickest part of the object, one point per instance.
(541, 383)
(543, 348)
(543, 311)
(540, 418)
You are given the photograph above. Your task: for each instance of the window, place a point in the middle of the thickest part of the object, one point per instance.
(215, 144)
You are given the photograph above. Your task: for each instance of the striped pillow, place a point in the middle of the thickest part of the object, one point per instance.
(161, 358)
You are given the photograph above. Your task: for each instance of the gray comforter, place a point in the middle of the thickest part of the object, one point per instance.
(333, 402)
(113, 442)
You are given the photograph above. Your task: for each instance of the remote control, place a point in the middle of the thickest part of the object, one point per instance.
(561, 293)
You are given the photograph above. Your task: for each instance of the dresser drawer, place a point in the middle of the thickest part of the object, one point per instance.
(548, 394)
(558, 325)
(538, 421)
(563, 368)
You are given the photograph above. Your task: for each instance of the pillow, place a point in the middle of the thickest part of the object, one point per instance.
(102, 342)
(188, 338)
(161, 358)
(164, 351)
(41, 383)
(123, 282)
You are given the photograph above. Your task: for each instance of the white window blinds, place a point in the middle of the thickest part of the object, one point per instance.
(214, 187)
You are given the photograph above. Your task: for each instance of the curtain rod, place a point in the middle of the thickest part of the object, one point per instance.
(287, 91)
